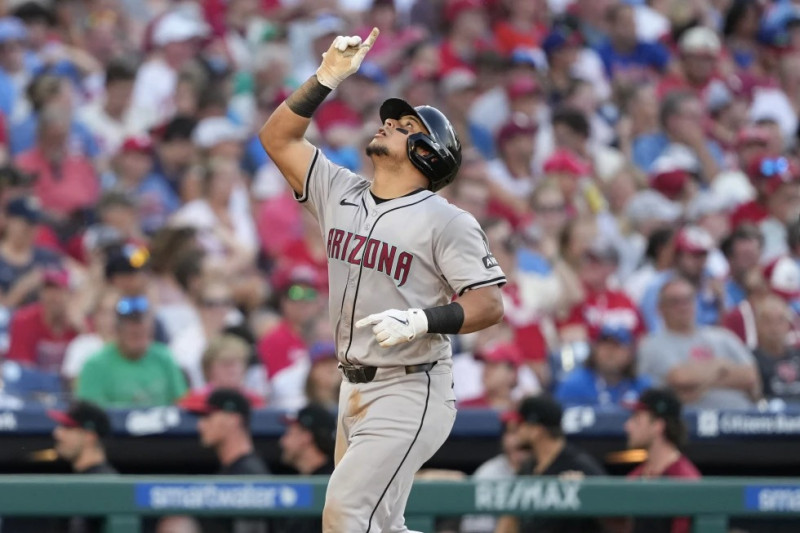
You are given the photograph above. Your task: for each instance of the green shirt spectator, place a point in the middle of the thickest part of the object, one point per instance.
(135, 371)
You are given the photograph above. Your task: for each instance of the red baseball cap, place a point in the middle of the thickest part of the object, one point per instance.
(502, 353)
(137, 143)
(519, 125)
(694, 240)
(670, 183)
(522, 86)
(565, 162)
(56, 277)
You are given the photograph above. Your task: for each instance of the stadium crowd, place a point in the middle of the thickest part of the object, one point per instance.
(634, 164)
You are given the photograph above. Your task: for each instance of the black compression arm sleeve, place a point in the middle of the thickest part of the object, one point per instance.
(446, 319)
(305, 100)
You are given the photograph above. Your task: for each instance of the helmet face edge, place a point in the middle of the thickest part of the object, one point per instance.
(442, 158)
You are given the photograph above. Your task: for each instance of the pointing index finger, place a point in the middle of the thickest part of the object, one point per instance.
(371, 38)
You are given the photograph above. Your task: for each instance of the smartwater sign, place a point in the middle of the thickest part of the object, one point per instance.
(773, 499)
(223, 496)
(527, 495)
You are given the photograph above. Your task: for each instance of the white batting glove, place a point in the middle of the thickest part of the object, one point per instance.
(395, 326)
(343, 58)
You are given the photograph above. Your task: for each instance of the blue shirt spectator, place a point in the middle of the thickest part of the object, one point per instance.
(644, 57)
(24, 137)
(609, 375)
(692, 246)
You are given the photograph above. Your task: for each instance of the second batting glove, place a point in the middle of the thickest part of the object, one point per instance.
(395, 327)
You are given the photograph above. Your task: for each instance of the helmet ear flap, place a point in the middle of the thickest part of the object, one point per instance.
(430, 159)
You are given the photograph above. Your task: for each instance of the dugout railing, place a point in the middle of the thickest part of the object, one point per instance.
(125, 500)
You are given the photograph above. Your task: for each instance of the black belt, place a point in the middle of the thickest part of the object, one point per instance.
(365, 374)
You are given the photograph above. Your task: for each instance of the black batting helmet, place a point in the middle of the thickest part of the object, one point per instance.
(443, 158)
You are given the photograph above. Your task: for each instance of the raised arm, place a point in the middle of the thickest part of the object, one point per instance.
(283, 135)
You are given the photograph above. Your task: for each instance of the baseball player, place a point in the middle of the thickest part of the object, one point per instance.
(397, 255)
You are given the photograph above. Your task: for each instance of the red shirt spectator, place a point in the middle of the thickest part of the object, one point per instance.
(525, 324)
(281, 348)
(40, 332)
(608, 307)
(62, 189)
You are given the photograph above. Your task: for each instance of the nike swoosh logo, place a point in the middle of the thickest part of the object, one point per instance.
(345, 202)
(404, 322)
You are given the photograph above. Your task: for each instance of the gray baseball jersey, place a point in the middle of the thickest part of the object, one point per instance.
(417, 251)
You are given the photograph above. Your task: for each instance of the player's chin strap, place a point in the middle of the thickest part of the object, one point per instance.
(395, 326)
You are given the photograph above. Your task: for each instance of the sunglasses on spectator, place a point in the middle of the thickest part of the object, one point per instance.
(298, 293)
(774, 167)
(137, 305)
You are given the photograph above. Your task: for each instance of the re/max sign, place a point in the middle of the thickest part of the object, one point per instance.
(527, 495)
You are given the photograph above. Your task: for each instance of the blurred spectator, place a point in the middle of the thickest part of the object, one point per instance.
(12, 76)
(778, 362)
(21, 261)
(657, 427)
(110, 118)
(40, 332)
(103, 328)
(513, 455)
(647, 212)
(608, 377)
(225, 361)
(224, 427)
(742, 250)
(540, 428)
(155, 198)
(126, 269)
(782, 203)
(499, 377)
(708, 367)
(307, 446)
(523, 27)
(741, 319)
(561, 46)
(65, 181)
(309, 251)
(283, 350)
(175, 37)
(510, 175)
(54, 92)
(692, 247)
(602, 305)
(134, 371)
(175, 152)
(682, 143)
(658, 258)
(627, 59)
(214, 306)
(324, 380)
(459, 90)
(468, 34)
(226, 233)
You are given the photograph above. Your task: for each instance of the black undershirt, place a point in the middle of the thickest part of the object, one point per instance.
(381, 200)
